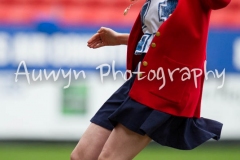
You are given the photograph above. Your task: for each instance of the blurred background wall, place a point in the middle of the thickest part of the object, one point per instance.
(51, 36)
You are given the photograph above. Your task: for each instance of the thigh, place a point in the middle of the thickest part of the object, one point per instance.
(123, 144)
(91, 143)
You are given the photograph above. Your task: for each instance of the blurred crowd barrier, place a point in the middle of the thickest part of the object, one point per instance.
(67, 12)
(50, 80)
(79, 12)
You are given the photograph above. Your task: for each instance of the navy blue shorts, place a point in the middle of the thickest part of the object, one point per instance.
(165, 129)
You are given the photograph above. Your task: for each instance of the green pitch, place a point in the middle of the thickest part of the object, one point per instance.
(61, 151)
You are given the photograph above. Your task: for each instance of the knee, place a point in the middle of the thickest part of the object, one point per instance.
(105, 155)
(83, 155)
(74, 156)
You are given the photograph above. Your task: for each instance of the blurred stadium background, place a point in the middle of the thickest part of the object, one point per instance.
(42, 120)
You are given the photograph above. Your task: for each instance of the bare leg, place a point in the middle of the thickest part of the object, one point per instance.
(123, 144)
(91, 143)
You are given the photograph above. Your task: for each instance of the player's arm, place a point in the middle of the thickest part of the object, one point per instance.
(215, 4)
(107, 37)
(123, 38)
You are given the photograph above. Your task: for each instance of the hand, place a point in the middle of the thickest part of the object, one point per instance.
(104, 37)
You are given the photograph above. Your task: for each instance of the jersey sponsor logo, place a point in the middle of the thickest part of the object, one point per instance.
(165, 9)
(141, 47)
(144, 12)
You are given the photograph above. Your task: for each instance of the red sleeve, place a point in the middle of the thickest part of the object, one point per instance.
(215, 4)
